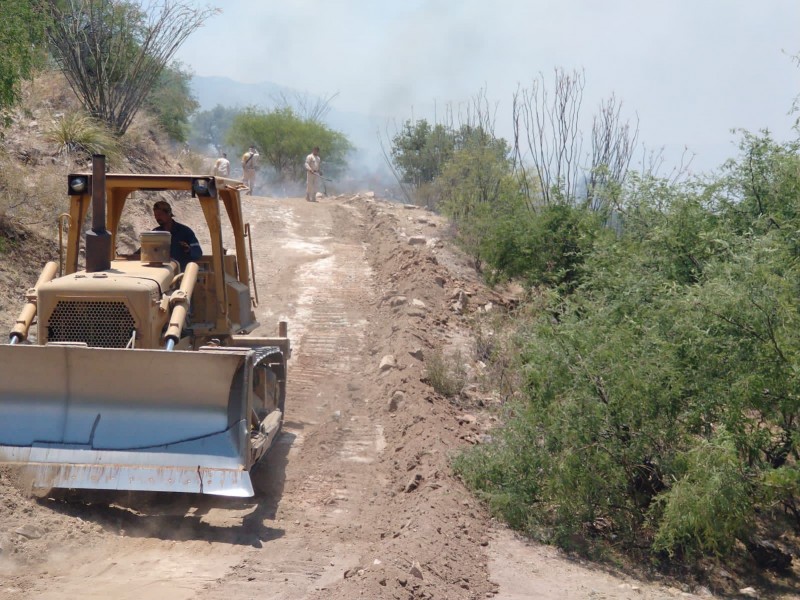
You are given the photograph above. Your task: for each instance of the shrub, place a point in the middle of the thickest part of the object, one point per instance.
(660, 395)
(446, 374)
(78, 133)
(709, 507)
(543, 247)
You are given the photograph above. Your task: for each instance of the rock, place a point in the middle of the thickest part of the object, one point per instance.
(769, 556)
(723, 574)
(29, 531)
(409, 206)
(418, 303)
(416, 570)
(439, 280)
(398, 301)
(460, 301)
(467, 419)
(369, 194)
(417, 240)
(413, 483)
(416, 312)
(388, 362)
(417, 353)
(396, 400)
(750, 592)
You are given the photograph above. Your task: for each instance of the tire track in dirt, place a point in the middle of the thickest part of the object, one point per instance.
(329, 442)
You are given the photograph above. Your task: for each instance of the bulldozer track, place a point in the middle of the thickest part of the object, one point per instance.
(332, 438)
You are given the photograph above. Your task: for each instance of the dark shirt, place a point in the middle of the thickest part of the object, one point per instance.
(182, 233)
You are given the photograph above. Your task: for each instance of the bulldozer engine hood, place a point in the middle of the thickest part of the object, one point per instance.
(104, 309)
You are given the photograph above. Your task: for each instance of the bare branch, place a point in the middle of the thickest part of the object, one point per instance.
(112, 52)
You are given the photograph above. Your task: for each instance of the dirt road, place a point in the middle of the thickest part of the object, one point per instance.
(357, 499)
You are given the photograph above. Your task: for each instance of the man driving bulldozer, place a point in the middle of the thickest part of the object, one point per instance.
(184, 246)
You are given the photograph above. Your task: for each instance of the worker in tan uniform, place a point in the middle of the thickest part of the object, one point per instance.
(312, 174)
(222, 168)
(249, 165)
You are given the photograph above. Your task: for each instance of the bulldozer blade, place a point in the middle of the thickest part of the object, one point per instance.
(97, 418)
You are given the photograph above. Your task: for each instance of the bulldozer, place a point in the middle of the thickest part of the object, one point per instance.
(143, 376)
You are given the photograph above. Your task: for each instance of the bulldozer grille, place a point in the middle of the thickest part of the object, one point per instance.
(97, 324)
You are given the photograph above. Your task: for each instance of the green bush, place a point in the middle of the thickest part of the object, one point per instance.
(710, 506)
(284, 139)
(171, 101)
(542, 247)
(661, 388)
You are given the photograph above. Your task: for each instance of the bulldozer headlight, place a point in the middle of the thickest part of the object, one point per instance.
(78, 185)
(203, 187)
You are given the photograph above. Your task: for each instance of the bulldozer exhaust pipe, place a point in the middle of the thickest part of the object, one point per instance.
(98, 240)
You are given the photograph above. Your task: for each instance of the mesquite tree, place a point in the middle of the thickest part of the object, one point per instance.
(21, 34)
(113, 51)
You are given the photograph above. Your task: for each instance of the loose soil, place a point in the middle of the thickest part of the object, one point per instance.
(357, 499)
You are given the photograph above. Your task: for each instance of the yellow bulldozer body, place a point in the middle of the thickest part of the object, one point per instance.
(143, 377)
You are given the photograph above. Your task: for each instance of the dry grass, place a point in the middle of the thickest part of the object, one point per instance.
(78, 134)
(446, 374)
(48, 92)
(195, 164)
(143, 145)
(31, 201)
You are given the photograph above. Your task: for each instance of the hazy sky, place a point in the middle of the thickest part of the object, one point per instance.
(690, 69)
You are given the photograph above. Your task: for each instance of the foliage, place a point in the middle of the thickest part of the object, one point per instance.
(171, 101)
(542, 247)
(79, 133)
(758, 186)
(499, 227)
(21, 37)
(446, 374)
(113, 52)
(474, 174)
(661, 397)
(285, 139)
(707, 509)
(420, 150)
(473, 187)
(209, 128)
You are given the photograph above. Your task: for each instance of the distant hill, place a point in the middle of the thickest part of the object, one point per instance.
(211, 91)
